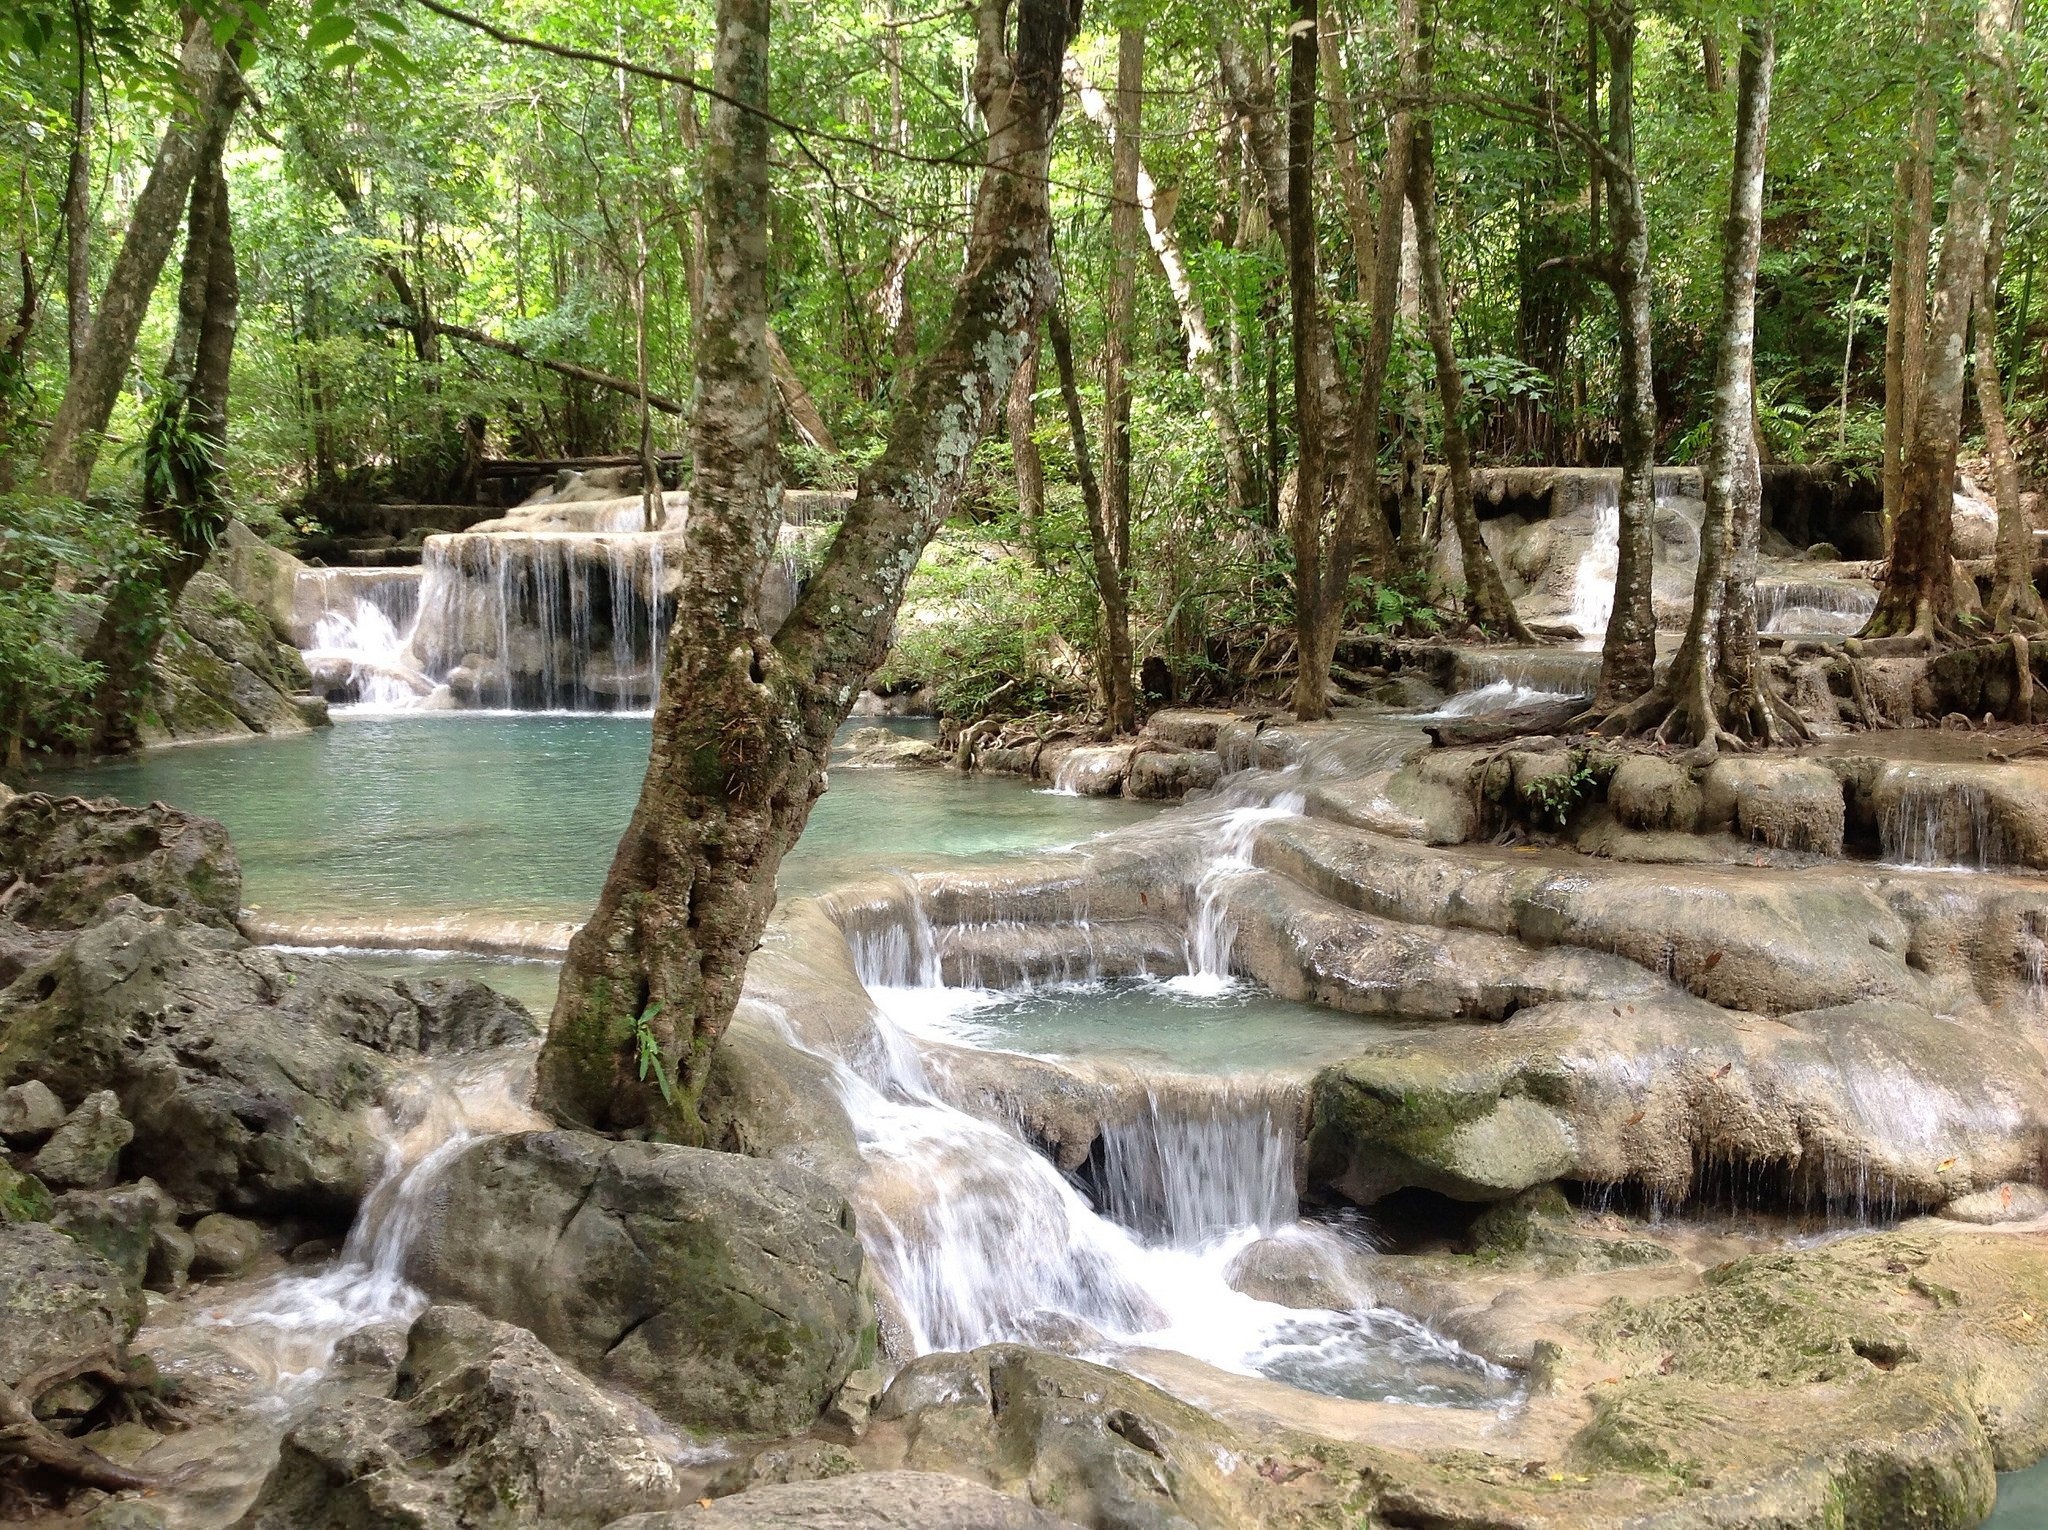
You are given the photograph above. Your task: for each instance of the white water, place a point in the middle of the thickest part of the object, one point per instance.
(1593, 583)
(294, 1321)
(1814, 607)
(1944, 825)
(1498, 696)
(978, 1238)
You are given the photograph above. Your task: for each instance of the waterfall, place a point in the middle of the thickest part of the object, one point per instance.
(294, 1321)
(1211, 931)
(1813, 606)
(1944, 824)
(1593, 583)
(1188, 1171)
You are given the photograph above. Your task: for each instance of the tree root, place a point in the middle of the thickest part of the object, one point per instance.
(22, 1433)
(2023, 664)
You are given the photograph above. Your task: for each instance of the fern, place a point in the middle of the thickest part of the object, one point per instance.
(648, 1047)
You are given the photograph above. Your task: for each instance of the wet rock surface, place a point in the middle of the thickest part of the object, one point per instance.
(725, 1292)
(897, 1500)
(484, 1428)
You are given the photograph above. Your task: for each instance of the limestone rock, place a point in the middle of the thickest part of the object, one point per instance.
(487, 1429)
(171, 1251)
(263, 577)
(868, 1501)
(120, 1225)
(768, 1099)
(57, 1298)
(1788, 804)
(1651, 795)
(224, 1245)
(248, 1073)
(1186, 727)
(886, 749)
(1159, 775)
(221, 672)
(23, 1197)
(2000, 1203)
(75, 855)
(458, 1015)
(1095, 770)
(85, 1152)
(725, 1292)
(29, 1112)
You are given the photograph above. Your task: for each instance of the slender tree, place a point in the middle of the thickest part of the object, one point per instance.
(1917, 598)
(78, 192)
(1912, 232)
(73, 445)
(1484, 589)
(745, 718)
(1113, 560)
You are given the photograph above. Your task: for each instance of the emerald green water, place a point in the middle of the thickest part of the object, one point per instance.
(434, 814)
(2022, 1500)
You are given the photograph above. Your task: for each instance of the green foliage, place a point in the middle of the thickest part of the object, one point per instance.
(61, 562)
(1554, 798)
(647, 1048)
(1400, 606)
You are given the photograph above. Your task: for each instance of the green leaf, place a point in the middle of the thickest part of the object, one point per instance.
(346, 56)
(329, 30)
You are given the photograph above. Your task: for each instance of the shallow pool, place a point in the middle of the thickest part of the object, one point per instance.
(518, 815)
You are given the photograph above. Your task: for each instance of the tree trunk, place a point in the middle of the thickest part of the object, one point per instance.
(1713, 674)
(1121, 322)
(73, 444)
(1344, 139)
(1906, 325)
(78, 198)
(744, 723)
(1021, 416)
(1115, 658)
(1490, 605)
(1315, 622)
(1628, 655)
(2014, 600)
(1918, 595)
(1218, 396)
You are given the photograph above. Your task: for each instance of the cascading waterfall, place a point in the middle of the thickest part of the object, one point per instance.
(1813, 606)
(1187, 1171)
(1941, 824)
(297, 1320)
(1593, 584)
(979, 1238)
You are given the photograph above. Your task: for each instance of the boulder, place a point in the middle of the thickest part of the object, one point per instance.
(865, 1501)
(1788, 804)
(2000, 1203)
(57, 1299)
(220, 672)
(458, 1015)
(886, 749)
(72, 856)
(725, 1292)
(85, 1152)
(120, 1225)
(1094, 770)
(1652, 795)
(248, 1074)
(1159, 775)
(224, 1245)
(29, 1112)
(485, 1428)
(262, 577)
(23, 1197)
(1186, 727)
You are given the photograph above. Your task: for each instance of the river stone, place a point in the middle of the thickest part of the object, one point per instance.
(898, 1500)
(1187, 727)
(23, 1197)
(73, 855)
(459, 1015)
(725, 1292)
(486, 1429)
(57, 1298)
(248, 1074)
(85, 1152)
(29, 1112)
(2000, 1203)
(224, 1245)
(1788, 804)
(1095, 770)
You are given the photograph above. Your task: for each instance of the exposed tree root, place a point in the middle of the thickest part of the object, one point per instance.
(2023, 666)
(22, 1433)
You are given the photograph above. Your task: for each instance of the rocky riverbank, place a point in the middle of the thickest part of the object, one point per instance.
(271, 1254)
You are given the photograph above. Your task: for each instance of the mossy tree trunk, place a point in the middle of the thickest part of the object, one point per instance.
(1906, 321)
(745, 718)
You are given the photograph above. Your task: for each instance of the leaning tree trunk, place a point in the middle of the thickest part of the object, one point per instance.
(78, 200)
(73, 445)
(184, 454)
(1918, 595)
(1628, 655)
(1490, 605)
(745, 721)
(1316, 617)
(1109, 573)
